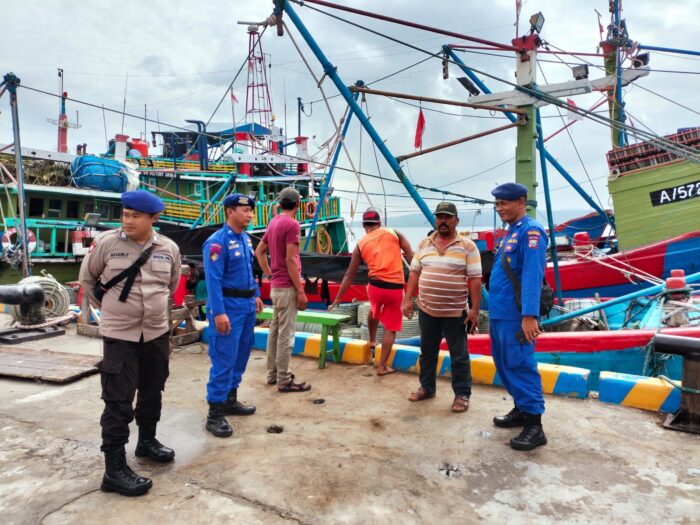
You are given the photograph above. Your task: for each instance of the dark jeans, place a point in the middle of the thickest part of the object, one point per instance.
(128, 366)
(432, 330)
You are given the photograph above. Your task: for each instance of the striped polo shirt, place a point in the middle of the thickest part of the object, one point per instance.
(444, 275)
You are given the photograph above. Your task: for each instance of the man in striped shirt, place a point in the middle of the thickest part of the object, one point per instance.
(446, 269)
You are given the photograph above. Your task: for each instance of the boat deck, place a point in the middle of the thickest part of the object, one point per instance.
(365, 455)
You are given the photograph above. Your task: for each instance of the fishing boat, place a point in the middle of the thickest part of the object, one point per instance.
(68, 198)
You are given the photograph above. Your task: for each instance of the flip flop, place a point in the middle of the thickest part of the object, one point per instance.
(390, 371)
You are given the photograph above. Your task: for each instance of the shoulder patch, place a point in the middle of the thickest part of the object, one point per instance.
(214, 251)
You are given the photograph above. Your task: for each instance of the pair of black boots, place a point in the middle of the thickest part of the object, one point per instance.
(532, 435)
(119, 477)
(216, 422)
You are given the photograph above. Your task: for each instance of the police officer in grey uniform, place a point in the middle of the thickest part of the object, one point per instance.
(129, 274)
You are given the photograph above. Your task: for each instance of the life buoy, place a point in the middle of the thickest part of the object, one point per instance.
(78, 241)
(310, 209)
(7, 241)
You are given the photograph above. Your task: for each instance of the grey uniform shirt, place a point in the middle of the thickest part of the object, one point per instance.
(145, 310)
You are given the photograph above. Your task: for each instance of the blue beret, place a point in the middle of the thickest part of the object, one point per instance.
(510, 191)
(238, 199)
(143, 201)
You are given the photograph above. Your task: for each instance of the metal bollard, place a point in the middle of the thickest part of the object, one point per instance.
(687, 419)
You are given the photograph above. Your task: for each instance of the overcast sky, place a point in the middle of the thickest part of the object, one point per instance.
(181, 56)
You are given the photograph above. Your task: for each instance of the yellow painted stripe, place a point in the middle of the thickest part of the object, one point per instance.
(549, 375)
(312, 346)
(483, 370)
(357, 352)
(441, 358)
(648, 394)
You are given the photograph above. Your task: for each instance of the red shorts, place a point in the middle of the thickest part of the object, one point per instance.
(386, 306)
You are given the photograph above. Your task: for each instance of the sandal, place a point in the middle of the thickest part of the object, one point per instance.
(291, 386)
(460, 404)
(420, 395)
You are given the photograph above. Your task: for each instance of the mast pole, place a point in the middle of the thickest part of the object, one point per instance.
(332, 72)
(525, 162)
(12, 81)
(550, 215)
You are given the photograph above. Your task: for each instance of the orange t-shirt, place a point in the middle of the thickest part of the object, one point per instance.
(381, 252)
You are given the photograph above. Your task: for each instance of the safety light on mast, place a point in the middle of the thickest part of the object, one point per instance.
(536, 23)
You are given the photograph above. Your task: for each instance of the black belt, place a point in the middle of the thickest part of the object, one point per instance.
(243, 294)
(386, 285)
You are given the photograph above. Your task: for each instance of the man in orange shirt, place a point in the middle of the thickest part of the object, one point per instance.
(380, 249)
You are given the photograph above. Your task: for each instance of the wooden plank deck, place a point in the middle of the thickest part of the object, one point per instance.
(45, 365)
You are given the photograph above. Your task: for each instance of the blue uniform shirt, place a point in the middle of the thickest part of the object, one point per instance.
(525, 246)
(228, 263)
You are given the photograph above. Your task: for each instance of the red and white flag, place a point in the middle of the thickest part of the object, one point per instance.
(233, 97)
(572, 115)
(420, 128)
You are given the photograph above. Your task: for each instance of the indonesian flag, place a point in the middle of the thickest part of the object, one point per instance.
(234, 100)
(573, 116)
(420, 128)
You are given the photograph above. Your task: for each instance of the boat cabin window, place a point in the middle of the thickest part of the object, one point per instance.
(55, 207)
(36, 207)
(72, 209)
(152, 184)
(117, 211)
(103, 210)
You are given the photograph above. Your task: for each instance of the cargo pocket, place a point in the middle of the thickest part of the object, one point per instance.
(518, 355)
(114, 384)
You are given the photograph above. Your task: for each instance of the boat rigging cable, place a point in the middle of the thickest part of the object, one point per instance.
(684, 152)
(328, 107)
(573, 143)
(586, 62)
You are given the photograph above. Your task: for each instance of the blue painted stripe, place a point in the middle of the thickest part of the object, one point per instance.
(571, 384)
(613, 388)
(672, 403)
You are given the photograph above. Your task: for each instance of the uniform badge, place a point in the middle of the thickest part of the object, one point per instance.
(92, 246)
(237, 253)
(214, 252)
(533, 242)
(515, 234)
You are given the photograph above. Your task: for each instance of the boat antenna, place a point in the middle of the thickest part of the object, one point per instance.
(126, 83)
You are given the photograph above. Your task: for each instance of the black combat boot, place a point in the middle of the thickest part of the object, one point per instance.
(149, 447)
(120, 478)
(233, 407)
(216, 422)
(514, 418)
(532, 435)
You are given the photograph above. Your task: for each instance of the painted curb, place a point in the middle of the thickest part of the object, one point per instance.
(647, 393)
(558, 380)
(352, 351)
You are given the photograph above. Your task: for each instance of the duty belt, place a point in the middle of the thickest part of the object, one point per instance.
(243, 294)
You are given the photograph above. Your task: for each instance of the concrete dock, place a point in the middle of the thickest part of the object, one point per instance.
(363, 455)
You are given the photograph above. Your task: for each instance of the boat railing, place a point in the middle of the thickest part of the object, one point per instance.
(54, 237)
(188, 212)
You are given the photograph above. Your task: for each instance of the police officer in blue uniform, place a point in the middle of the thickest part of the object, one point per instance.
(233, 300)
(514, 322)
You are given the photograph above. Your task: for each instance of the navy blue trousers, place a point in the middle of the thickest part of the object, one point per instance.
(516, 366)
(229, 355)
